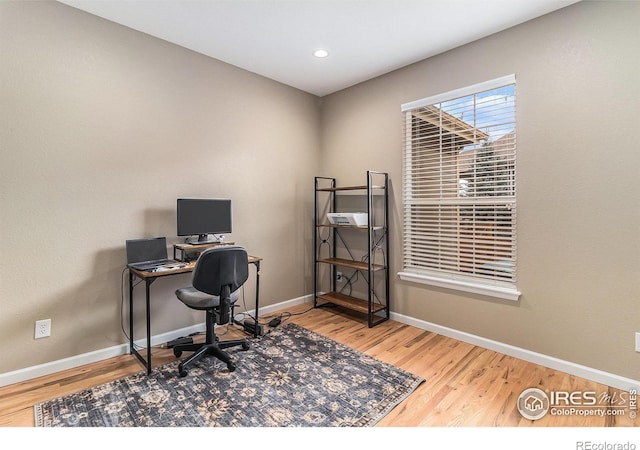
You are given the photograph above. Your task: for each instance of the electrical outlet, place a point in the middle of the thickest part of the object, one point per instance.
(338, 276)
(43, 328)
(637, 342)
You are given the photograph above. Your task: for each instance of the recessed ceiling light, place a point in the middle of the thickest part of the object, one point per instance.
(321, 53)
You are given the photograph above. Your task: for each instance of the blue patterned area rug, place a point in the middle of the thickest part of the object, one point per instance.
(291, 377)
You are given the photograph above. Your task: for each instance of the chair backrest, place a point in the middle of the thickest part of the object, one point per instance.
(217, 267)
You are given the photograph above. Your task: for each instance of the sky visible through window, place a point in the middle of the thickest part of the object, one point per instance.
(491, 112)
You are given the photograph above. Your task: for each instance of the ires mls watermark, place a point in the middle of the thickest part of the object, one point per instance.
(534, 403)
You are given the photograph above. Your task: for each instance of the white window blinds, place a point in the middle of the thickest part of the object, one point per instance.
(459, 188)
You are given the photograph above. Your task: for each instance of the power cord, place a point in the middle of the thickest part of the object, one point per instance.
(286, 315)
(276, 321)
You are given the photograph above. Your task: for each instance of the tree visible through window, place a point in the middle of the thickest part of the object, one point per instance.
(459, 189)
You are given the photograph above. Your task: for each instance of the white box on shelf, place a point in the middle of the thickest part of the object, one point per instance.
(359, 219)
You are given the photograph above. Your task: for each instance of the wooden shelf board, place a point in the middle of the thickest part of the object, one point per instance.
(353, 303)
(348, 188)
(355, 227)
(357, 265)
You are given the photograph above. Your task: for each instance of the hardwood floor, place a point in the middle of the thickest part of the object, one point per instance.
(466, 386)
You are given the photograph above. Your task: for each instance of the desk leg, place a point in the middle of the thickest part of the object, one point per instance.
(147, 284)
(132, 349)
(255, 329)
(130, 313)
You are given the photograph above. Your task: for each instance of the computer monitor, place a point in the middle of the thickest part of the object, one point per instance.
(199, 218)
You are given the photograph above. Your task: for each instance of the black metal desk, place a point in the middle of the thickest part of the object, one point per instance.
(149, 278)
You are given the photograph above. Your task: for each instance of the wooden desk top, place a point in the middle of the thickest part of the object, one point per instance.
(176, 268)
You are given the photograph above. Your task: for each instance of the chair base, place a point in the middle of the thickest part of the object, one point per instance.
(212, 347)
(204, 349)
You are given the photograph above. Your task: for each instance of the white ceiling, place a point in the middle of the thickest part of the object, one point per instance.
(276, 38)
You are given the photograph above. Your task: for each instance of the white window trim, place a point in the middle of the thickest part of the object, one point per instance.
(462, 92)
(507, 291)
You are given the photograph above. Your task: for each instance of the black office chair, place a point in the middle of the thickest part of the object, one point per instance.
(218, 274)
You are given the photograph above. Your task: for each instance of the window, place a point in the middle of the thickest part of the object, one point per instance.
(459, 190)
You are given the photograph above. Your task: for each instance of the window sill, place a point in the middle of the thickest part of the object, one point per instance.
(498, 291)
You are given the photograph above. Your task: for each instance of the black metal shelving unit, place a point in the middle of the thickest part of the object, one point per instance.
(334, 249)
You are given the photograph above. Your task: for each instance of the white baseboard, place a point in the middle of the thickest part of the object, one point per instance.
(599, 376)
(40, 370)
(282, 305)
(588, 373)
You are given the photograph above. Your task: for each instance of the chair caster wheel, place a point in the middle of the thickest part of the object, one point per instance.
(245, 346)
(177, 353)
(231, 366)
(182, 371)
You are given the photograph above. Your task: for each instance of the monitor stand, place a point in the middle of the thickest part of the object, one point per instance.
(204, 239)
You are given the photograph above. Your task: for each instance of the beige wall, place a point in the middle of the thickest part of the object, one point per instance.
(578, 73)
(102, 128)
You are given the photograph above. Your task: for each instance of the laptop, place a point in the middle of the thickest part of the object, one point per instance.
(147, 254)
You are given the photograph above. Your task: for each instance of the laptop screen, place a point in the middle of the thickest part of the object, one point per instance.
(140, 250)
